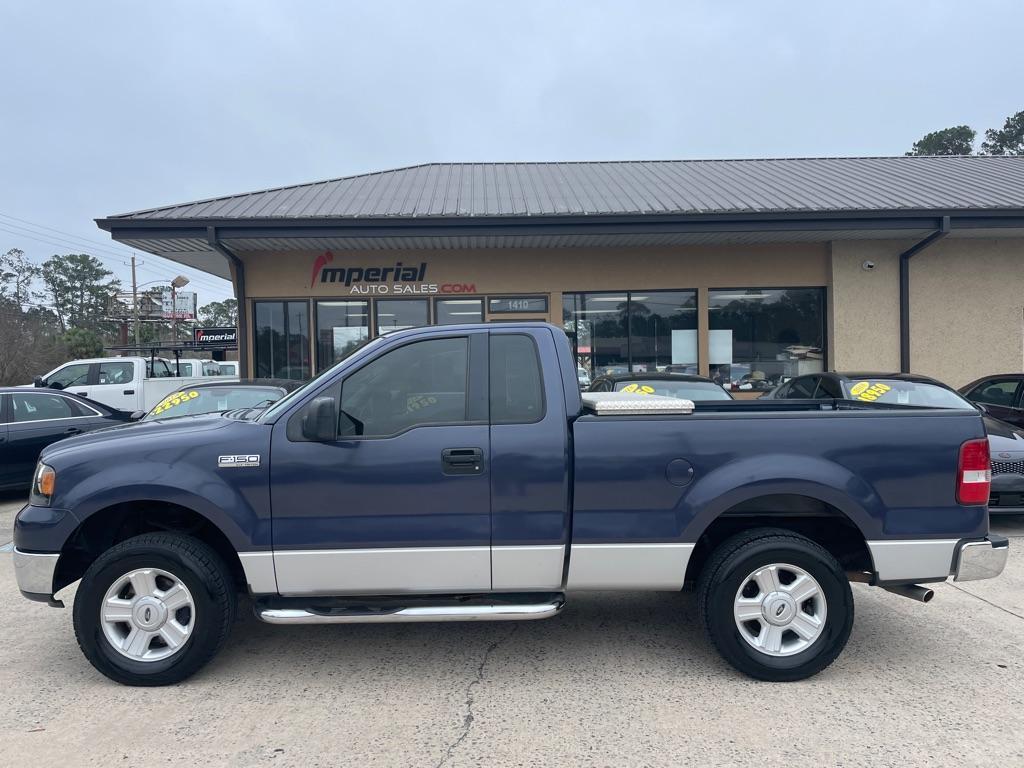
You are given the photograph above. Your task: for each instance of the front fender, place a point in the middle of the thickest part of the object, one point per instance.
(783, 474)
(236, 503)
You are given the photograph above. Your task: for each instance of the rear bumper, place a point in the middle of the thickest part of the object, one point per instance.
(34, 573)
(981, 559)
(913, 561)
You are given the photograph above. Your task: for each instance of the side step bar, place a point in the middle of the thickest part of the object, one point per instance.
(363, 614)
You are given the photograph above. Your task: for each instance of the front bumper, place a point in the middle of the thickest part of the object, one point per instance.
(981, 559)
(34, 572)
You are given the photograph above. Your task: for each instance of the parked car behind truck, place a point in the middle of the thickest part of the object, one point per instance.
(32, 419)
(455, 473)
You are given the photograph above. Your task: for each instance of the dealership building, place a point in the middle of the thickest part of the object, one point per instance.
(749, 271)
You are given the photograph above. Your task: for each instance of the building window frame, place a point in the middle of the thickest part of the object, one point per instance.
(284, 300)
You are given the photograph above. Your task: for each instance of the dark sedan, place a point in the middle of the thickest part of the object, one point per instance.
(219, 396)
(1002, 396)
(31, 419)
(1006, 442)
(686, 386)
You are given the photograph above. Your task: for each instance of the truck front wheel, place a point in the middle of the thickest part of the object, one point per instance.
(776, 605)
(154, 609)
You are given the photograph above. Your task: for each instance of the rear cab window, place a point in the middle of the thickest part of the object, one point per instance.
(157, 369)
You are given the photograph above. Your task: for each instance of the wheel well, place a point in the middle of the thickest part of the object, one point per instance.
(112, 525)
(822, 523)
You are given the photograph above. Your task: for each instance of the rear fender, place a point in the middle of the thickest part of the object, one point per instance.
(784, 474)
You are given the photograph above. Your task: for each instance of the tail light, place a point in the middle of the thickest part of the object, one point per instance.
(974, 473)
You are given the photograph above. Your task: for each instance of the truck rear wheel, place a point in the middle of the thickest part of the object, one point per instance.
(776, 605)
(154, 609)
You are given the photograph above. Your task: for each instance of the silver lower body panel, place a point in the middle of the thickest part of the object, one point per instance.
(660, 567)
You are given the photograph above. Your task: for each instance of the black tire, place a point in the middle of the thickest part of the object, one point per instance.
(192, 562)
(726, 571)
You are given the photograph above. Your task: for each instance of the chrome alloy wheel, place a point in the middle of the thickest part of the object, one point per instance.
(147, 614)
(780, 610)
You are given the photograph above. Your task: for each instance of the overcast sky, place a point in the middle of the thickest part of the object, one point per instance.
(110, 107)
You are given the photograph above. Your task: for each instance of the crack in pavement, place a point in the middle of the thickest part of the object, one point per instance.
(467, 720)
(979, 597)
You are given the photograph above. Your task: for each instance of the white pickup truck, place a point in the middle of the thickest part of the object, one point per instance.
(124, 383)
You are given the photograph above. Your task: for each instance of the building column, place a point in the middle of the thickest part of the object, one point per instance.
(703, 333)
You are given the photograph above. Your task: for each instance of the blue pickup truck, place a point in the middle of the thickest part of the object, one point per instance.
(456, 473)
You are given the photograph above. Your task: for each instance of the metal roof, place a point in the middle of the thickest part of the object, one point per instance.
(670, 187)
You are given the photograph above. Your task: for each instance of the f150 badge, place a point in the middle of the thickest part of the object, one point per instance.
(230, 462)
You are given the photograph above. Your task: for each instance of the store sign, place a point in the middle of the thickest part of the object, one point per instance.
(398, 279)
(217, 336)
(511, 304)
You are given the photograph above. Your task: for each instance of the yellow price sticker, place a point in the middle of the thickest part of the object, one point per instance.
(868, 392)
(639, 389)
(176, 398)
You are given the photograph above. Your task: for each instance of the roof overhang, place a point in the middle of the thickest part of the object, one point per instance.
(192, 242)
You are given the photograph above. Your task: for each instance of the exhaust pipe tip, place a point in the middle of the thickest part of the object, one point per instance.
(913, 591)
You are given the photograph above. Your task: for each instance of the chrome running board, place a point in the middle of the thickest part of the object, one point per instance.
(495, 611)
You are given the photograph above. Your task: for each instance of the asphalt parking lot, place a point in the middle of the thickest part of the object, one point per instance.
(615, 680)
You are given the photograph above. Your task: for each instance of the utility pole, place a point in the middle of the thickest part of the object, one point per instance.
(135, 302)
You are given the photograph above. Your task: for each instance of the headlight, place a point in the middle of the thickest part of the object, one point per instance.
(42, 486)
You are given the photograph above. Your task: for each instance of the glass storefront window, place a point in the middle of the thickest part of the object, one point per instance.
(663, 331)
(624, 331)
(340, 327)
(396, 314)
(455, 311)
(762, 337)
(282, 340)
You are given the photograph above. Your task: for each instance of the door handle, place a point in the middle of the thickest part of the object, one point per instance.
(128, 392)
(82, 394)
(72, 431)
(462, 461)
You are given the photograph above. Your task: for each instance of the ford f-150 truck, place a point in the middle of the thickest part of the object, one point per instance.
(456, 473)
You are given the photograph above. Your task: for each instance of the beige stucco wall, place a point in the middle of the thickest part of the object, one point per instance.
(282, 275)
(864, 331)
(966, 307)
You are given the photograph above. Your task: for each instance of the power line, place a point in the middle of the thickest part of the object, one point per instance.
(60, 242)
(65, 236)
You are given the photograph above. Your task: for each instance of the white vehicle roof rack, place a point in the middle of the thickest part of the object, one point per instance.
(631, 404)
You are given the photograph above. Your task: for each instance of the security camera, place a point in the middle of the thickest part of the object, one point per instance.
(867, 266)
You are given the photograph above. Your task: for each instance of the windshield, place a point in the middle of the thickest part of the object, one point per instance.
(688, 390)
(192, 402)
(900, 392)
(285, 401)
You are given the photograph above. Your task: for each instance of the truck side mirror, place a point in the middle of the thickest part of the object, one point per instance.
(137, 415)
(320, 421)
(38, 381)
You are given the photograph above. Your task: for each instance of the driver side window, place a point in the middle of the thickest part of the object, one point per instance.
(420, 383)
(75, 375)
